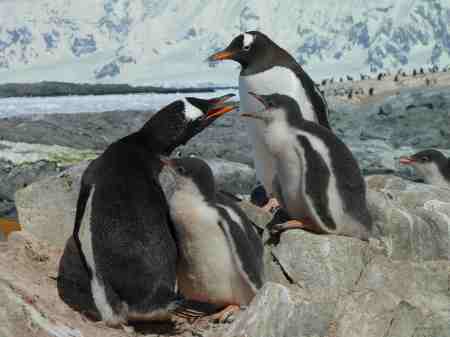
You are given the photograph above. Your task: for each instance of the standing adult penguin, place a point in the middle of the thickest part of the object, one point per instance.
(126, 237)
(317, 179)
(433, 166)
(220, 260)
(267, 69)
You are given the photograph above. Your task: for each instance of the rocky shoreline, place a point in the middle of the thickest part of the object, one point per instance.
(377, 132)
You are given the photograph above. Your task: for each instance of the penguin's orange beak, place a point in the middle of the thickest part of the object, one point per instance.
(221, 99)
(221, 55)
(406, 160)
(217, 112)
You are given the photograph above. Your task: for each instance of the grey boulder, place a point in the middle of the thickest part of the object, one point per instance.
(279, 311)
(326, 264)
(412, 218)
(47, 207)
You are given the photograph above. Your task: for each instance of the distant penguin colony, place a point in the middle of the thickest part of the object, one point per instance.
(154, 233)
(267, 68)
(126, 237)
(220, 252)
(317, 179)
(431, 165)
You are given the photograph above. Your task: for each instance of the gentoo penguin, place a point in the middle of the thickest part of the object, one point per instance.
(432, 165)
(220, 260)
(126, 236)
(268, 69)
(317, 179)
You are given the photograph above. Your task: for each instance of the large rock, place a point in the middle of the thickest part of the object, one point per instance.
(372, 313)
(412, 218)
(397, 298)
(279, 311)
(47, 207)
(320, 263)
(424, 284)
(232, 177)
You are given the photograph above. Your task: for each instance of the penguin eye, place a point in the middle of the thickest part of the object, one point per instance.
(246, 48)
(424, 159)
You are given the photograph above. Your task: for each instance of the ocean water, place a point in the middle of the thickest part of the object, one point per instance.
(19, 106)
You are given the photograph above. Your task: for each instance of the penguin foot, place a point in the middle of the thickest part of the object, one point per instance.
(271, 206)
(226, 314)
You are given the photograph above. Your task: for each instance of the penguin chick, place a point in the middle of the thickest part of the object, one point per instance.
(317, 179)
(220, 252)
(432, 165)
(122, 226)
(267, 68)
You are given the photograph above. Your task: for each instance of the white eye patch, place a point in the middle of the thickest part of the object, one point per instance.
(248, 40)
(191, 112)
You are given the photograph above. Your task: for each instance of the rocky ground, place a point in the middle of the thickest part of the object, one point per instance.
(377, 130)
(396, 285)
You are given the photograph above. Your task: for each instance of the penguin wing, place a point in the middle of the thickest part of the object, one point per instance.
(317, 180)
(252, 230)
(318, 101)
(247, 257)
(87, 181)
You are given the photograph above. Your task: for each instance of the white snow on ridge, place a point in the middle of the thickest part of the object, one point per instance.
(166, 41)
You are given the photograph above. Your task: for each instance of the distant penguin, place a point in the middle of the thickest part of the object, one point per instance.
(317, 181)
(371, 91)
(126, 237)
(433, 166)
(268, 69)
(220, 251)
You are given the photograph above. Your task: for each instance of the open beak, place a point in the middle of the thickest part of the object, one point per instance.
(251, 115)
(221, 55)
(406, 160)
(219, 111)
(166, 161)
(221, 100)
(259, 98)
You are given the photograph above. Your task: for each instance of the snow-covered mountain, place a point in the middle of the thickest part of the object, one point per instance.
(166, 41)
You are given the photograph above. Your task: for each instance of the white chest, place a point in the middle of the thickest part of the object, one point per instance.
(279, 80)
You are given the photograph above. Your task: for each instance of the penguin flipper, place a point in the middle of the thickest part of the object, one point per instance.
(83, 196)
(246, 256)
(319, 102)
(317, 190)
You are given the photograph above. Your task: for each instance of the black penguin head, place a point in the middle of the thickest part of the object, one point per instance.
(247, 48)
(427, 162)
(190, 175)
(178, 122)
(276, 107)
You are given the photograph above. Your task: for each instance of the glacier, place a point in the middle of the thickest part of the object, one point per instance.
(162, 42)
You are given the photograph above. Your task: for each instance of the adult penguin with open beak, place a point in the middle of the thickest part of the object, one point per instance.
(122, 224)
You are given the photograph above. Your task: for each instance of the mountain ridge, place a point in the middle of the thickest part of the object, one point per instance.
(165, 42)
